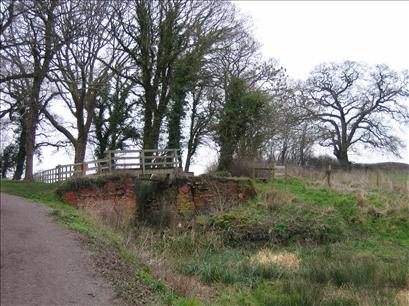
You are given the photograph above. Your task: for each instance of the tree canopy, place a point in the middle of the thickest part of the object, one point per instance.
(357, 104)
(177, 74)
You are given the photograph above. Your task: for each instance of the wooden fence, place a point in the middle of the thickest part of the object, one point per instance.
(135, 162)
(265, 173)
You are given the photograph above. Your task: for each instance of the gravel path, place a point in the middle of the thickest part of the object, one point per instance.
(44, 264)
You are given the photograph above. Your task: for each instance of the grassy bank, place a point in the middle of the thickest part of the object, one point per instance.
(301, 244)
(296, 243)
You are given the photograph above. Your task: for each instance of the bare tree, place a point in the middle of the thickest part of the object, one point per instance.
(10, 10)
(34, 43)
(80, 76)
(352, 102)
(16, 98)
(156, 35)
(202, 112)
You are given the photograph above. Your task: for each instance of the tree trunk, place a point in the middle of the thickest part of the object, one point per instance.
(32, 114)
(147, 129)
(30, 142)
(21, 154)
(188, 160)
(226, 156)
(80, 150)
(283, 152)
(174, 127)
(342, 157)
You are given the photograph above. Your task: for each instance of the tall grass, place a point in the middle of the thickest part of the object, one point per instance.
(396, 181)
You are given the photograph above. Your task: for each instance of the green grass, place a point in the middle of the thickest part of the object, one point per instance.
(353, 246)
(344, 246)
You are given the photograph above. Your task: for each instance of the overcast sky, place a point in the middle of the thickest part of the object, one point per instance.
(302, 34)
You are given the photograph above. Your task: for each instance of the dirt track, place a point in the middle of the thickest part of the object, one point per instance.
(44, 264)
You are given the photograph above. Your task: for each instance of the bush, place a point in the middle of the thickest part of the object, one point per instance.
(222, 173)
(322, 162)
(78, 183)
(242, 167)
(291, 225)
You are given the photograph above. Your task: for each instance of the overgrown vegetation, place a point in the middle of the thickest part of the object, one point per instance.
(296, 243)
(86, 182)
(352, 248)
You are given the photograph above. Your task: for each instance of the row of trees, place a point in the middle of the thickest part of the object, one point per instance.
(175, 74)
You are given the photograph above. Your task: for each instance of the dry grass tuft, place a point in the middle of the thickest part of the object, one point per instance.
(349, 181)
(274, 199)
(403, 297)
(284, 259)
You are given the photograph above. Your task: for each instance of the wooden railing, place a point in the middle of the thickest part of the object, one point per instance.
(264, 173)
(136, 162)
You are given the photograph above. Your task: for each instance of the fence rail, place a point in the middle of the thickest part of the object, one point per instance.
(263, 173)
(137, 162)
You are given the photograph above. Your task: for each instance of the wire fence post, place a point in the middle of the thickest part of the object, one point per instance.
(273, 172)
(328, 174)
(377, 179)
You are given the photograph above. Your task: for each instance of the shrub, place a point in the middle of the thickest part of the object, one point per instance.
(294, 224)
(222, 173)
(78, 183)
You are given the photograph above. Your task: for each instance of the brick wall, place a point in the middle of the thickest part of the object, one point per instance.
(115, 199)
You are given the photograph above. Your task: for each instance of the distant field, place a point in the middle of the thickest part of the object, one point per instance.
(297, 243)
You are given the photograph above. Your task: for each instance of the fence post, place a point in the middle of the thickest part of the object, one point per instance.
(273, 172)
(84, 167)
(176, 158)
(143, 161)
(253, 173)
(329, 175)
(58, 173)
(285, 171)
(109, 161)
(377, 179)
